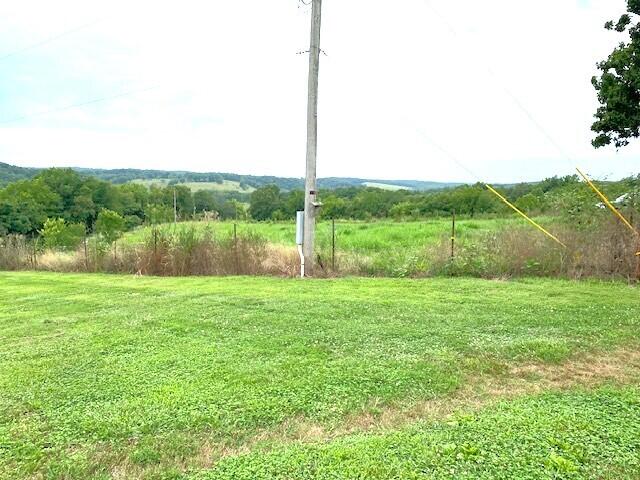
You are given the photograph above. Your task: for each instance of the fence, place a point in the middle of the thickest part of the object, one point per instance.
(604, 251)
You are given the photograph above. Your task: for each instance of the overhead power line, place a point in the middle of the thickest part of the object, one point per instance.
(78, 105)
(501, 197)
(452, 29)
(498, 81)
(49, 39)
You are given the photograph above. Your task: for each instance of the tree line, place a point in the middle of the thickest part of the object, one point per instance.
(566, 195)
(60, 193)
(65, 195)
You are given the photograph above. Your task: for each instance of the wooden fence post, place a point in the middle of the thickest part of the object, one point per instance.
(86, 255)
(35, 254)
(333, 244)
(235, 248)
(155, 250)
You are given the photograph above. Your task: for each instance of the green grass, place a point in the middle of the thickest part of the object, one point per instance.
(379, 237)
(225, 186)
(378, 248)
(385, 186)
(575, 436)
(105, 372)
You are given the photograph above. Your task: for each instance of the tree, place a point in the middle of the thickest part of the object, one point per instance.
(66, 183)
(233, 210)
(333, 207)
(293, 203)
(264, 202)
(57, 233)
(110, 225)
(157, 214)
(618, 87)
(26, 204)
(529, 203)
(204, 200)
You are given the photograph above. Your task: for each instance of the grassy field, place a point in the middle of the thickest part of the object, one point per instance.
(377, 248)
(359, 237)
(385, 186)
(575, 435)
(225, 186)
(124, 377)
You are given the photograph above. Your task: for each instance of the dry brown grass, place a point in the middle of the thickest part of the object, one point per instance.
(16, 253)
(605, 250)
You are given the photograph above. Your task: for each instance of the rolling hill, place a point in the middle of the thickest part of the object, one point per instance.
(222, 181)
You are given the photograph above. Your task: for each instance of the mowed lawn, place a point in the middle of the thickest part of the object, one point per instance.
(124, 377)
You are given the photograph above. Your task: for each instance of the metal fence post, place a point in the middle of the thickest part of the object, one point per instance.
(453, 234)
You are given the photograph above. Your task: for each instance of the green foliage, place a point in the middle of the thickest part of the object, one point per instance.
(618, 86)
(110, 225)
(63, 193)
(574, 435)
(265, 201)
(157, 214)
(25, 205)
(151, 371)
(58, 234)
(10, 173)
(204, 200)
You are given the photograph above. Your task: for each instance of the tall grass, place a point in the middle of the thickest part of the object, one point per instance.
(606, 250)
(17, 253)
(484, 248)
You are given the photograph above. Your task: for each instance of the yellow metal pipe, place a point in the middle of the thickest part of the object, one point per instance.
(524, 215)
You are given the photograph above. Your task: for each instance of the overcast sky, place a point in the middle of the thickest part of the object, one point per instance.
(218, 86)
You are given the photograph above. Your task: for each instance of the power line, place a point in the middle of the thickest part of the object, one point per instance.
(509, 93)
(50, 39)
(78, 105)
(448, 154)
(534, 121)
(493, 190)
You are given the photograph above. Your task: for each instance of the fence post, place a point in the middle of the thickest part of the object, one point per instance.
(95, 255)
(638, 260)
(155, 250)
(235, 248)
(333, 244)
(35, 253)
(86, 256)
(453, 234)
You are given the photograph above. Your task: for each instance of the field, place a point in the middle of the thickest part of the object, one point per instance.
(140, 377)
(385, 186)
(225, 186)
(379, 237)
(375, 248)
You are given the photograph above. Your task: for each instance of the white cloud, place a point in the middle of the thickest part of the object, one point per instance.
(231, 90)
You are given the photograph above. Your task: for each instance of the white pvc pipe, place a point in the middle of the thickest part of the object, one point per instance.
(301, 261)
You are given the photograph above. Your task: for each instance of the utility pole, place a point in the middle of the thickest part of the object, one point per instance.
(311, 203)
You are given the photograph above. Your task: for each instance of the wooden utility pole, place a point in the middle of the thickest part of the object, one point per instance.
(311, 203)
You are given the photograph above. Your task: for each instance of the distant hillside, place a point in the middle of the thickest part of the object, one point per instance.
(9, 173)
(245, 183)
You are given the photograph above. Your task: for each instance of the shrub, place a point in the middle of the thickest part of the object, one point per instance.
(110, 225)
(58, 234)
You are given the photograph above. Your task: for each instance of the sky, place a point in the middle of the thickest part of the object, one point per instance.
(497, 91)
